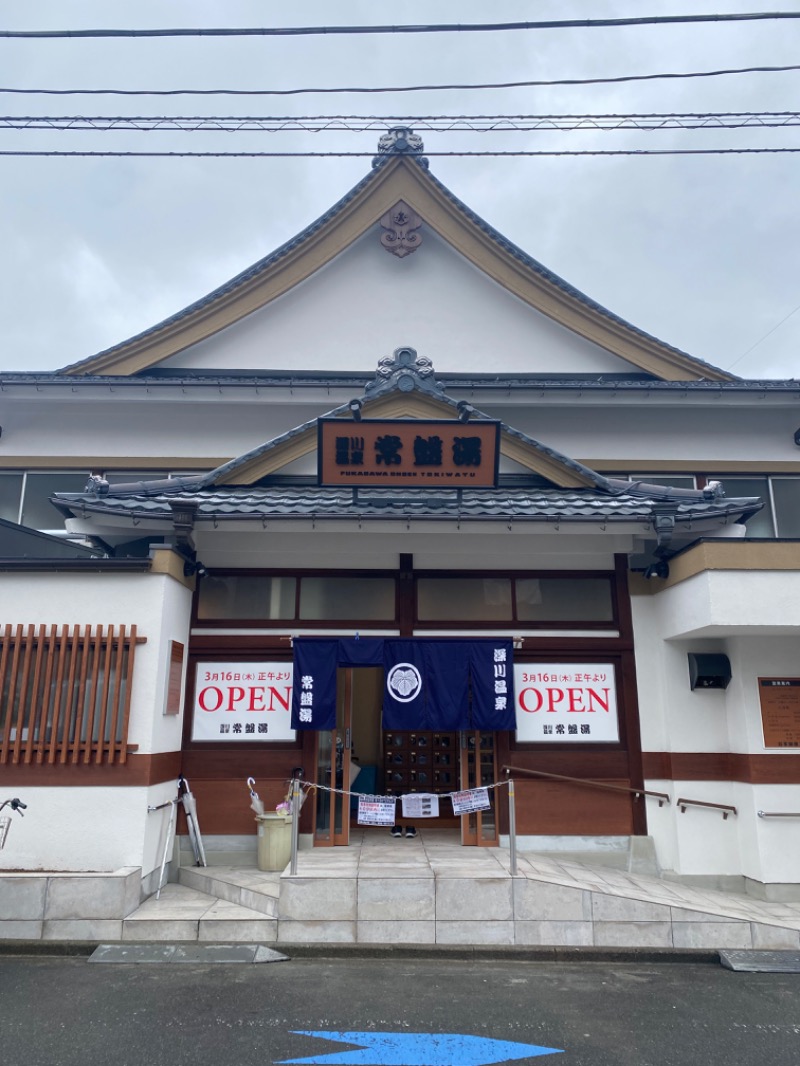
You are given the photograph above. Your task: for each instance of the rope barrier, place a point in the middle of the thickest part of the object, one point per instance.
(308, 785)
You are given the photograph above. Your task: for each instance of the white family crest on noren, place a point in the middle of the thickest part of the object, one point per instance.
(404, 682)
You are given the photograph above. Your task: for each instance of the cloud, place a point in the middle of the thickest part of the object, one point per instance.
(700, 251)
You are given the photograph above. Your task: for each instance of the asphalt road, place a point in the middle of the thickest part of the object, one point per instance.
(67, 1012)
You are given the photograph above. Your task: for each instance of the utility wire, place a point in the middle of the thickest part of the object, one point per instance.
(762, 339)
(461, 87)
(440, 27)
(370, 155)
(440, 124)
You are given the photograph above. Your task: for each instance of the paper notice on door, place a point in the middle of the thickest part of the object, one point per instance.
(376, 810)
(420, 805)
(472, 799)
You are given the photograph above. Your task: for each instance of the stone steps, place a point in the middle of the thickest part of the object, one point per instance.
(185, 914)
(246, 887)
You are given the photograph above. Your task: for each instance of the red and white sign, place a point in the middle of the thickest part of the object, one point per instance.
(566, 703)
(243, 702)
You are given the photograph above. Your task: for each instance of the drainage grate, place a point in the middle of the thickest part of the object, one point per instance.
(761, 961)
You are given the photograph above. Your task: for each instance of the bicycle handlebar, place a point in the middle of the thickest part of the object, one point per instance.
(15, 805)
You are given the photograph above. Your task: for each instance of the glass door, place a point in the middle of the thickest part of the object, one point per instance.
(332, 809)
(479, 769)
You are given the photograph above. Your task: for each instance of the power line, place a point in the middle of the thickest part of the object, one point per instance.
(461, 87)
(440, 27)
(762, 339)
(365, 155)
(437, 123)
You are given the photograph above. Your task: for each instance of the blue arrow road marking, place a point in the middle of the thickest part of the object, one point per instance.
(420, 1049)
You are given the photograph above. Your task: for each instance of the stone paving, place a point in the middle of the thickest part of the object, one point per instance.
(384, 890)
(431, 890)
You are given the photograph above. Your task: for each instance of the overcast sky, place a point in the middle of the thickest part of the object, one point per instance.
(701, 251)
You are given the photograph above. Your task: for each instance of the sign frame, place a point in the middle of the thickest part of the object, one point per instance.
(240, 689)
(430, 475)
(779, 702)
(570, 707)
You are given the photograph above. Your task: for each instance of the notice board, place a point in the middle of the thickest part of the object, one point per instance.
(780, 711)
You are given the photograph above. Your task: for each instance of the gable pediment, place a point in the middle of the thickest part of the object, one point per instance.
(401, 179)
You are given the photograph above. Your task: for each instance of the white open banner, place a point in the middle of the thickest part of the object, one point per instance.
(566, 703)
(240, 702)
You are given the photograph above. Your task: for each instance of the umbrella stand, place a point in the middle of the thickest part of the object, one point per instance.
(190, 809)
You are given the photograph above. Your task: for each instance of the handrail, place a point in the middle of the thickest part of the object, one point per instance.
(724, 807)
(779, 814)
(662, 797)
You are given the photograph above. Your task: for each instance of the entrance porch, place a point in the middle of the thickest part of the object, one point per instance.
(430, 890)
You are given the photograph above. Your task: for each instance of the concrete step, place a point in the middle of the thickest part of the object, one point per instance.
(184, 914)
(247, 887)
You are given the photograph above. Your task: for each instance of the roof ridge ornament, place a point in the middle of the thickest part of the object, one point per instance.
(405, 371)
(400, 140)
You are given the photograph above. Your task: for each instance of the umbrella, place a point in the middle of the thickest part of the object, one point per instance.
(256, 803)
(190, 808)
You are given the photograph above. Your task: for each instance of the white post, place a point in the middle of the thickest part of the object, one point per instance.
(295, 822)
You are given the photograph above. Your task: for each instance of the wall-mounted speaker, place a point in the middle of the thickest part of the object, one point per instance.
(709, 670)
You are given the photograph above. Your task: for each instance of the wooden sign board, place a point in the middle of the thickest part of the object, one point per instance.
(174, 678)
(418, 454)
(780, 711)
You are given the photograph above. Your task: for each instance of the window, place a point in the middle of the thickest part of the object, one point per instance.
(467, 599)
(257, 597)
(525, 599)
(10, 495)
(37, 511)
(761, 524)
(564, 599)
(250, 596)
(347, 598)
(786, 500)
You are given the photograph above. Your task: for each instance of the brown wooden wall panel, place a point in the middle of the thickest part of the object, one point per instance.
(223, 806)
(602, 765)
(547, 808)
(762, 769)
(257, 763)
(139, 770)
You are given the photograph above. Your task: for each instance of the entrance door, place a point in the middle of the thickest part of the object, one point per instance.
(479, 769)
(332, 810)
(349, 756)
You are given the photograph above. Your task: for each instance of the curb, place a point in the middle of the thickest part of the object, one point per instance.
(433, 952)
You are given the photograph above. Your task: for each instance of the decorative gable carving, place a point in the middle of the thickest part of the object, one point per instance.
(400, 226)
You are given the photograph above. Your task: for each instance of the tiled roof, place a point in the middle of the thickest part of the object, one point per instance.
(272, 379)
(310, 501)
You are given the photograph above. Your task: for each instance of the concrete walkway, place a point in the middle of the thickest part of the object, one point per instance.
(431, 890)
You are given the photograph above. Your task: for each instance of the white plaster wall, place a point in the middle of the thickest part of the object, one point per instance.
(672, 717)
(772, 847)
(229, 421)
(675, 719)
(726, 602)
(98, 829)
(753, 657)
(156, 604)
(701, 842)
(434, 300)
(474, 546)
